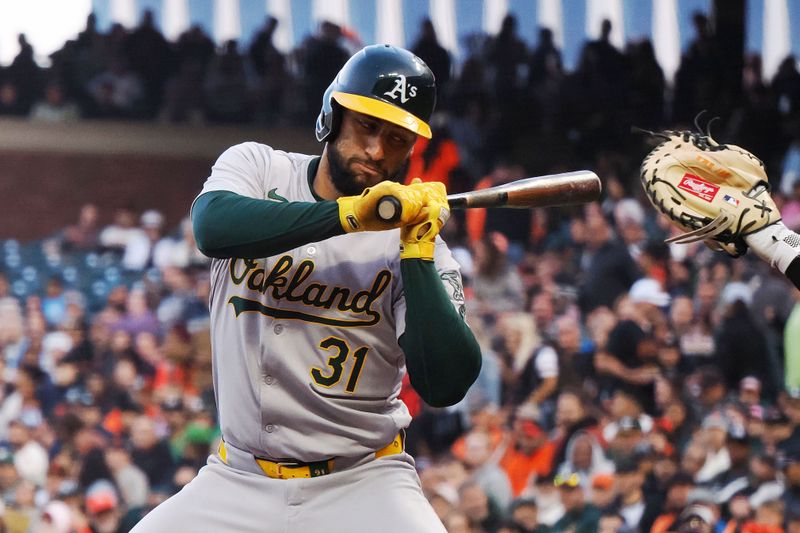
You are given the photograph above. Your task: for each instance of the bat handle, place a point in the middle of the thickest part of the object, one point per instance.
(388, 209)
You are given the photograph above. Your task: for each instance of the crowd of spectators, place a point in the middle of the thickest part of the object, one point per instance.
(627, 385)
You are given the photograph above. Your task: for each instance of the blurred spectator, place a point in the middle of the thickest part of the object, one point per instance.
(496, 285)
(738, 335)
(54, 303)
(505, 54)
(604, 494)
(630, 480)
(322, 58)
(194, 46)
(584, 459)
(528, 454)
(139, 249)
(571, 355)
(479, 509)
(182, 101)
(103, 507)
(121, 231)
(55, 107)
(696, 519)
(30, 457)
(481, 465)
(83, 235)
(545, 78)
(538, 381)
(713, 439)
(647, 86)
(434, 159)
(525, 515)
(579, 516)
(227, 98)
(151, 58)
(608, 270)
(151, 454)
(131, 480)
(270, 66)
(515, 342)
(698, 77)
(23, 78)
(602, 82)
(10, 99)
(138, 317)
(56, 518)
(116, 92)
(629, 357)
(435, 56)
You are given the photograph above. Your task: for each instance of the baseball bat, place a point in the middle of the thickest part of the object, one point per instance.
(568, 188)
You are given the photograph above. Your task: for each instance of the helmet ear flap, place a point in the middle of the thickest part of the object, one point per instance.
(335, 121)
(327, 120)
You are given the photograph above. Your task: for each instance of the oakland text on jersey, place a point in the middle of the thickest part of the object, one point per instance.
(283, 285)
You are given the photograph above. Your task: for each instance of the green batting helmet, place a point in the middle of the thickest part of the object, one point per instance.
(385, 82)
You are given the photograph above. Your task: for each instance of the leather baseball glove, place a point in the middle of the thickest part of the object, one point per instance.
(717, 193)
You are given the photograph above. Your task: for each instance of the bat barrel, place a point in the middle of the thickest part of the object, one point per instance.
(553, 190)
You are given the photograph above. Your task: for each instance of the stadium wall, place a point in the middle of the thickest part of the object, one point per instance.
(48, 171)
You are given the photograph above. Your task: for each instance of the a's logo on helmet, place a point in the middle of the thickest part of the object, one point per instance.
(406, 91)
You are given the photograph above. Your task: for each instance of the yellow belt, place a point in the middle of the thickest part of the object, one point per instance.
(293, 470)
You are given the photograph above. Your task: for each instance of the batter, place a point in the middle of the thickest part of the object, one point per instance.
(318, 309)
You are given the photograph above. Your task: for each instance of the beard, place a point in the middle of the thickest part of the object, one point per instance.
(345, 179)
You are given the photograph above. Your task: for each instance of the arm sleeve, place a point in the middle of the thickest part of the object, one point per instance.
(227, 225)
(233, 217)
(442, 356)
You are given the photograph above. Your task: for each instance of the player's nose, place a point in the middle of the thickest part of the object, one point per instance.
(374, 147)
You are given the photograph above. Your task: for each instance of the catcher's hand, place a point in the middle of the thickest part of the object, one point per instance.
(417, 240)
(357, 213)
(717, 193)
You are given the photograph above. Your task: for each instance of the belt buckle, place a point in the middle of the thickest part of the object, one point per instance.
(287, 464)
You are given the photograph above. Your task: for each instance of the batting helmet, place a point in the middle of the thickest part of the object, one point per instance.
(382, 81)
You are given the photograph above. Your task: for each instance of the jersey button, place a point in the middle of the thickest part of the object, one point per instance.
(269, 380)
(278, 329)
(311, 250)
(270, 428)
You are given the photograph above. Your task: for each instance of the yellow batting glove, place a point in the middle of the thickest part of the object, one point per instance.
(417, 240)
(359, 213)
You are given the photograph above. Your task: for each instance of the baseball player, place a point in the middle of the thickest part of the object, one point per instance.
(318, 308)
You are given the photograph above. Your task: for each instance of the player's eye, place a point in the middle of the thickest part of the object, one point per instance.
(367, 125)
(400, 140)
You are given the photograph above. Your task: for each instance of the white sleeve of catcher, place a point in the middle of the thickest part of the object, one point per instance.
(776, 244)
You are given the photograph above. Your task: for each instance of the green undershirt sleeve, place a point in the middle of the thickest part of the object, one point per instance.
(228, 225)
(442, 356)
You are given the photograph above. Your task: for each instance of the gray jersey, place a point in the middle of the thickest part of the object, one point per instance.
(305, 354)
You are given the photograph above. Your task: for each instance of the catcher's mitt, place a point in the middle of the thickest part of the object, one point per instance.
(717, 193)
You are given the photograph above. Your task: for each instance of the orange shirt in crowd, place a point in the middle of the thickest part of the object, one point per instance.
(753, 527)
(519, 466)
(476, 218)
(662, 523)
(439, 169)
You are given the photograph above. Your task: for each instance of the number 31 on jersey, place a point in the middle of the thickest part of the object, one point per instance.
(330, 376)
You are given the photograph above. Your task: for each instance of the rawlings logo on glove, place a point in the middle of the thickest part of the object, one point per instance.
(716, 193)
